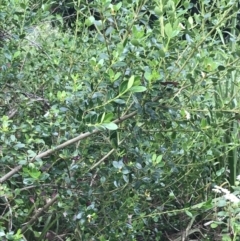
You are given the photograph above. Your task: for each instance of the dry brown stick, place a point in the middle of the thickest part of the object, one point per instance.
(61, 146)
(38, 214)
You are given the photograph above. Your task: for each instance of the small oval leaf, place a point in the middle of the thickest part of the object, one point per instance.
(138, 89)
(110, 126)
(130, 82)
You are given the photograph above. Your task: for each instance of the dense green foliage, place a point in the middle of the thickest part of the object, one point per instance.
(117, 121)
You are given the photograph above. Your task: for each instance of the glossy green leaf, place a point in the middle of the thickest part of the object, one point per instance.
(168, 30)
(120, 101)
(110, 126)
(148, 76)
(130, 82)
(90, 21)
(138, 89)
(123, 87)
(108, 117)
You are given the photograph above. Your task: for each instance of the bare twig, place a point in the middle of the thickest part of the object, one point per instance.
(63, 145)
(38, 214)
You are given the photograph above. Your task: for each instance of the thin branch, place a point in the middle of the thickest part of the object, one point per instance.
(39, 213)
(63, 145)
(103, 159)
